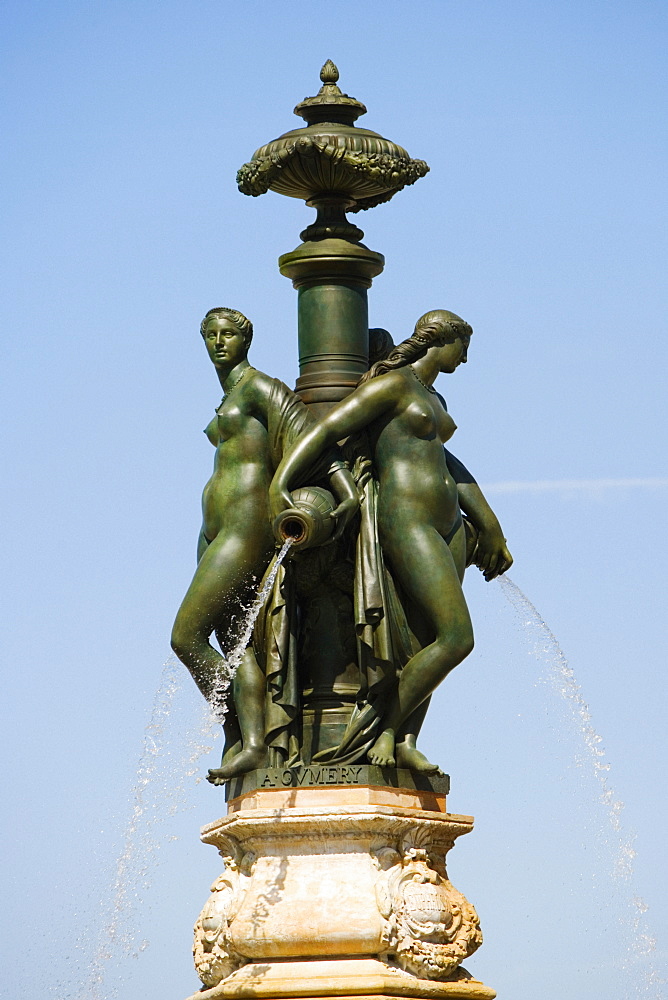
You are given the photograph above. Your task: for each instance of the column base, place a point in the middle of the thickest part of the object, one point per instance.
(336, 892)
(340, 978)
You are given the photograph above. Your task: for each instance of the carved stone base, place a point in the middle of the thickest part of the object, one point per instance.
(340, 978)
(336, 892)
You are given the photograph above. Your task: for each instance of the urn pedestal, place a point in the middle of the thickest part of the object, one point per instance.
(336, 891)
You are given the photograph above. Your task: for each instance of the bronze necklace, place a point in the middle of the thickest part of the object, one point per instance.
(429, 388)
(234, 385)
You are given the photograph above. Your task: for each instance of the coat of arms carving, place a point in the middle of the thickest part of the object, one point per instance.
(430, 927)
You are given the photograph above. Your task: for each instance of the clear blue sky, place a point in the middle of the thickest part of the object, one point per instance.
(542, 222)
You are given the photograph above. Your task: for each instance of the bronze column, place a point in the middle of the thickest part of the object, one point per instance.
(331, 277)
(335, 167)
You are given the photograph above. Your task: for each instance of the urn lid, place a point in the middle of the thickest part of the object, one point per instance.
(330, 104)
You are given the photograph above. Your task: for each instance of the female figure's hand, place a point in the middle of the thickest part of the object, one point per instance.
(342, 516)
(491, 555)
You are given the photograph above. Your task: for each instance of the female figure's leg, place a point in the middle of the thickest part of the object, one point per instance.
(222, 587)
(202, 545)
(248, 689)
(231, 729)
(407, 753)
(430, 570)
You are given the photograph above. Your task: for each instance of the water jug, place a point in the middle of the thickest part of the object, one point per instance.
(308, 523)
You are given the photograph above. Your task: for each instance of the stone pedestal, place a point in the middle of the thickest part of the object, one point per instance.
(336, 892)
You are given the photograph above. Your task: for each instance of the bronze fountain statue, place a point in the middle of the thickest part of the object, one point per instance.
(364, 613)
(255, 420)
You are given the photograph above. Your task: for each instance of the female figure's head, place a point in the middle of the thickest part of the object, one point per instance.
(227, 336)
(241, 322)
(434, 329)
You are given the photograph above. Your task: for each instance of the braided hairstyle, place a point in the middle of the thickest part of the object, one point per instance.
(380, 345)
(242, 323)
(434, 329)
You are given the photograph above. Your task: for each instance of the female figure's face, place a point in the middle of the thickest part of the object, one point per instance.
(225, 345)
(454, 352)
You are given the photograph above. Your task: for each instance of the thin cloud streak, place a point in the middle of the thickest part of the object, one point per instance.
(580, 485)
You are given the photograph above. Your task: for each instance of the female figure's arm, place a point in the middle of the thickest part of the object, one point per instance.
(491, 556)
(345, 491)
(352, 414)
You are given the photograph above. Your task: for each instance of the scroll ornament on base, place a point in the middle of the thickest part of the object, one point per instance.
(430, 927)
(215, 958)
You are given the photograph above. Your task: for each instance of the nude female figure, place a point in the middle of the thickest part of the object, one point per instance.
(422, 491)
(236, 541)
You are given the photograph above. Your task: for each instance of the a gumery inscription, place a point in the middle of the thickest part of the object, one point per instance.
(293, 777)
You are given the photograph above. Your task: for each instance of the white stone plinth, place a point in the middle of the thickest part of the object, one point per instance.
(336, 892)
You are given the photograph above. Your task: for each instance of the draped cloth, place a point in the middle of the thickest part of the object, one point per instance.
(385, 642)
(275, 634)
(275, 645)
(288, 417)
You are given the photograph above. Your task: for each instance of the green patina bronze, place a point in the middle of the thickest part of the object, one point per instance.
(367, 617)
(257, 420)
(331, 164)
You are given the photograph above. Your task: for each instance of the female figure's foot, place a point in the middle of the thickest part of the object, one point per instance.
(242, 763)
(382, 752)
(409, 756)
(232, 751)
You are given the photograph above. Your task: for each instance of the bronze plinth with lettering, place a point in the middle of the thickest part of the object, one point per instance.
(323, 775)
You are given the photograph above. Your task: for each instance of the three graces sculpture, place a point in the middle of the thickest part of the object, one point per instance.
(366, 614)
